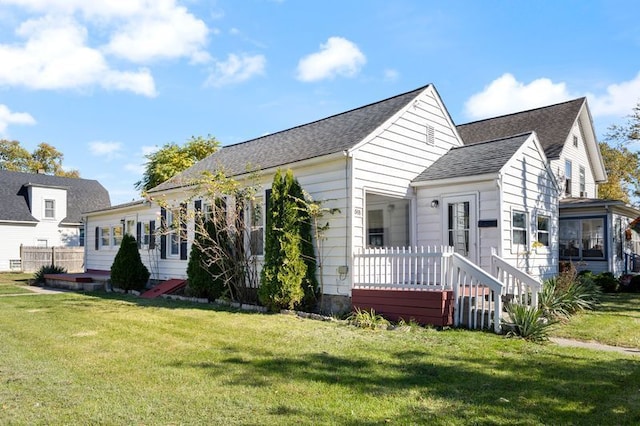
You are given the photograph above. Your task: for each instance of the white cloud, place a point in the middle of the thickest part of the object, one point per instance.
(164, 31)
(68, 43)
(7, 117)
(337, 57)
(619, 100)
(55, 56)
(505, 95)
(105, 149)
(236, 69)
(391, 75)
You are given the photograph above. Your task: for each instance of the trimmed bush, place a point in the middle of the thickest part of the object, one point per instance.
(128, 272)
(607, 282)
(201, 277)
(46, 270)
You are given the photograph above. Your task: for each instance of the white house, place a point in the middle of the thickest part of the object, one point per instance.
(43, 210)
(401, 174)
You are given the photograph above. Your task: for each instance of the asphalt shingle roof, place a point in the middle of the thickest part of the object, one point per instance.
(473, 160)
(323, 137)
(552, 125)
(82, 195)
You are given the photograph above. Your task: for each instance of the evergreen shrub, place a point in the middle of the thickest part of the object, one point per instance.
(128, 272)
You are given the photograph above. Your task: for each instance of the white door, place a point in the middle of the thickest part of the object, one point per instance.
(460, 225)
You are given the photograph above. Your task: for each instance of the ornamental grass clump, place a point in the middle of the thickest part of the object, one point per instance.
(38, 277)
(367, 319)
(528, 322)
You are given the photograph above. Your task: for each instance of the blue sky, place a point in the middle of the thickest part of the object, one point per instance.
(107, 81)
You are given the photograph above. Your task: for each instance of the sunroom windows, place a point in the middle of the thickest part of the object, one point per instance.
(583, 238)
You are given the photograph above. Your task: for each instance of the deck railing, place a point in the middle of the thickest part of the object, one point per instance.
(479, 295)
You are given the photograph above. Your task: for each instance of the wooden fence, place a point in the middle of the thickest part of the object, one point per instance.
(70, 258)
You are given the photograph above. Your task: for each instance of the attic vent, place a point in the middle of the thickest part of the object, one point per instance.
(430, 135)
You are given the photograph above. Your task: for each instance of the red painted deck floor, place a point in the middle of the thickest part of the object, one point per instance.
(164, 287)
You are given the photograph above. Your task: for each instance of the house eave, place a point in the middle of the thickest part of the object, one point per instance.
(18, 222)
(456, 180)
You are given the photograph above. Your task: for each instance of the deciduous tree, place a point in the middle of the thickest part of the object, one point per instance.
(44, 159)
(172, 159)
(621, 163)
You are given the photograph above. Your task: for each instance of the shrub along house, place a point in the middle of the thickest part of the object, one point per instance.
(43, 211)
(402, 176)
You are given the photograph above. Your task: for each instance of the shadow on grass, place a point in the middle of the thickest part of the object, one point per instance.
(548, 387)
(626, 303)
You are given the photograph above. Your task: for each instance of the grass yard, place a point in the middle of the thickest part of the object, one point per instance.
(11, 283)
(616, 322)
(114, 359)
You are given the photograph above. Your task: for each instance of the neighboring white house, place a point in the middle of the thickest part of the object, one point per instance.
(401, 175)
(43, 210)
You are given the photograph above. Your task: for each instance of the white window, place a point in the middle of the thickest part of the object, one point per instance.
(81, 238)
(173, 237)
(116, 236)
(544, 223)
(567, 177)
(256, 241)
(583, 184)
(519, 228)
(146, 232)
(131, 227)
(575, 141)
(50, 209)
(105, 236)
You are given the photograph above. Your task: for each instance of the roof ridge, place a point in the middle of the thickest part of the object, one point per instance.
(530, 132)
(328, 117)
(582, 99)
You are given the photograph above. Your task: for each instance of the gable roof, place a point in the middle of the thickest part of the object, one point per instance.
(473, 160)
(330, 135)
(552, 125)
(82, 195)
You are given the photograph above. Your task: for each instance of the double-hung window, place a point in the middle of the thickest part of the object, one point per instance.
(567, 177)
(544, 224)
(519, 228)
(257, 228)
(50, 209)
(105, 236)
(173, 237)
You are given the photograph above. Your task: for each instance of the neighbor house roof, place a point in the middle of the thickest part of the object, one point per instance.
(552, 125)
(330, 135)
(473, 160)
(82, 195)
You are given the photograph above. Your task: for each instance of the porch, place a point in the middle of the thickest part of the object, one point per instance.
(437, 286)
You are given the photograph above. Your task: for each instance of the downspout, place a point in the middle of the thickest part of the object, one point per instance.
(348, 186)
(86, 235)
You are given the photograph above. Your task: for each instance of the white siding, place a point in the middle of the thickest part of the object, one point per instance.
(579, 158)
(528, 187)
(398, 152)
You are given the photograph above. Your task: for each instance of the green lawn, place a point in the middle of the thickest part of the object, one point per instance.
(115, 359)
(616, 322)
(11, 283)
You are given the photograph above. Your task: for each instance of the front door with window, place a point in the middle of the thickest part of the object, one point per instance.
(459, 224)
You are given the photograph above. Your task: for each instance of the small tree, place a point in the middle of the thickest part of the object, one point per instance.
(201, 272)
(128, 272)
(284, 271)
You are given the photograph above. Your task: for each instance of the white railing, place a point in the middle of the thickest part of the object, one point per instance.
(520, 287)
(478, 295)
(403, 267)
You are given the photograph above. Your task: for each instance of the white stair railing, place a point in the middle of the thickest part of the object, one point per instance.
(520, 287)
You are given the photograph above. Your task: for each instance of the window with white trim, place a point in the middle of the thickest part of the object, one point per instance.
(567, 177)
(116, 236)
(519, 228)
(544, 224)
(50, 209)
(583, 183)
(256, 238)
(105, 236)
(173, 237)
(575, 141)
(145, 229)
